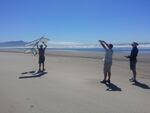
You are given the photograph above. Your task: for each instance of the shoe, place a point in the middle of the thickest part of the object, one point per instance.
(43, 70)
(131, 79)
(39, 71)
(104, 81)
(134, 80)
(108, 81)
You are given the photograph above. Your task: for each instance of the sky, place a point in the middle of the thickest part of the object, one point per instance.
(86, 21)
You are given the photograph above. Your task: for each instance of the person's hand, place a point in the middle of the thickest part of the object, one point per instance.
(126, 56)
(37, 43)
(100, 41)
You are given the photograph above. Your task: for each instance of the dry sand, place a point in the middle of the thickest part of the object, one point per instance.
(72, 84)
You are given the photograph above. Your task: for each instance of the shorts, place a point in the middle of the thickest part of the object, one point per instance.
(107, 67)
(133, 65)
(41, 59)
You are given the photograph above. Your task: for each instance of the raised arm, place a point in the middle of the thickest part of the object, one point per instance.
(106, 44)
(37, 45)
(102, 43)
(44, 45)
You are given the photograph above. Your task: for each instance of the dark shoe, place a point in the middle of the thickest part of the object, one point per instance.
(104, 81)
(39, 71)
(131, 79)
(108, 81)
(134, 80)
(43, 70)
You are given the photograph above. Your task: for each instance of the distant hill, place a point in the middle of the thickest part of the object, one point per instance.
(12, 44)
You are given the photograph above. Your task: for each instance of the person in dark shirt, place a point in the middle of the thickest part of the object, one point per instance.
(133, 60)
(41, 56)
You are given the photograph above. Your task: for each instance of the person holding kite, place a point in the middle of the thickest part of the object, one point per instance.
(133, 60)
(41, 51)
(107, 61)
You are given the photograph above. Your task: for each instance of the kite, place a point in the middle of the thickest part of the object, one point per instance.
(31, 47)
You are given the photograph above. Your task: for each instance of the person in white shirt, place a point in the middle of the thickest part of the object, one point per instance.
(107, 61)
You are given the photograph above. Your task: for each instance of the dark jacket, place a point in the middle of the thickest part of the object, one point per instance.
(134, 53)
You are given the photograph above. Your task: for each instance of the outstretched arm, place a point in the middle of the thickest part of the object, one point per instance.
(127, 56)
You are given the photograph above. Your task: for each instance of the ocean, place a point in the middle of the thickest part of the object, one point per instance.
(117, 50)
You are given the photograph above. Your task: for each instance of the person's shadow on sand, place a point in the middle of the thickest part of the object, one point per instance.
(33, 74)
(112, 87)
(141, 85)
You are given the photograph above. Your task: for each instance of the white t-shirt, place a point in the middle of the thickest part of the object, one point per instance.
(108, 56)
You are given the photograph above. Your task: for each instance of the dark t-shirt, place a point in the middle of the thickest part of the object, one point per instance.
(134, 53)
(41, 52)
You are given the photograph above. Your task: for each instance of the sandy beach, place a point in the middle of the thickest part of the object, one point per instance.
(71, 84)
